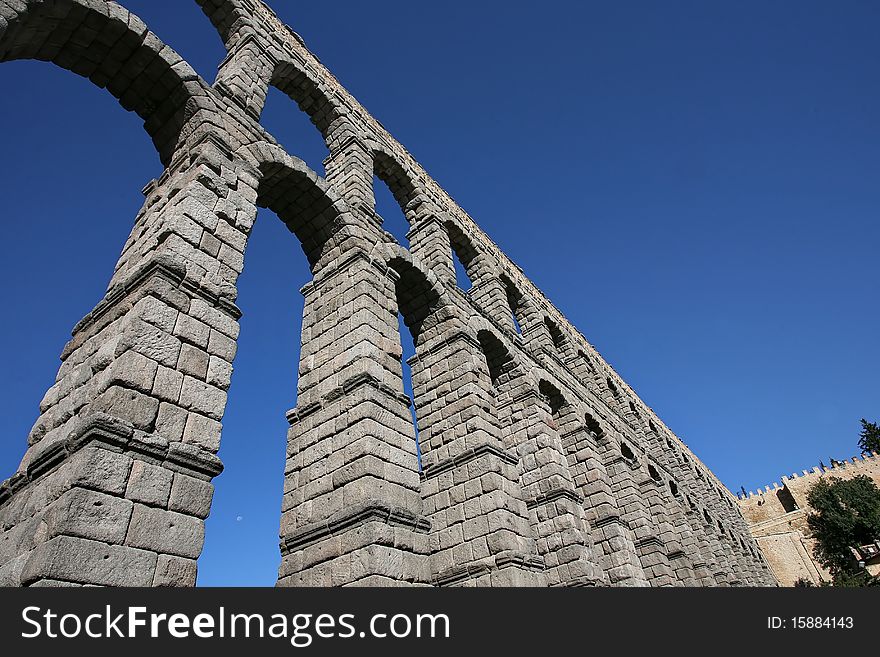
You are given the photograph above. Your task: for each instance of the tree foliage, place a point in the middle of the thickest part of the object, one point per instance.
(869, 437)
(846, 513)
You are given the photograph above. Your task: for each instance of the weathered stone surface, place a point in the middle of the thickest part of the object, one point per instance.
(149, 484)
(89, 514)
(191, 496)
(175, 571)
(166, 532)
(540, 465)
(202, 431)
(73, 559)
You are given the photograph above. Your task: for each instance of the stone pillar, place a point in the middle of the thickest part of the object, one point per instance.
(352, 511)
(556, 509)
(654, 489)
(705, 565)
(690, 563)
(480, 533)
(611, 535)
(745, 573)
(489, 294)
(705, 536)
(115, 484)
(429, 242)
(626, 480)
(245, 74)
(349, 170)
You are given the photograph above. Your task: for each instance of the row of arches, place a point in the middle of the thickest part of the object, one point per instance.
(327, 113)
(471, 387)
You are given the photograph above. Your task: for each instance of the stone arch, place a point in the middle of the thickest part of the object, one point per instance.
(593, 426)
(513, 385)
(518, 304)
(498, 356)
(310, 95)
(588, 362)
(113, 48)
(421, 298)
(627, 452)
(468, 254)
(612, 388)
(303, 201)
(553, 396)
(400, 180)
(557, 336)
(225, 15)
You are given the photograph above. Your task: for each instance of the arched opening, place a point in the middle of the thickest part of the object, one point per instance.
(612, 388)
(266, 376)
(264, 387)
(408, 351)
(389, 214)
(707, 517)
(635, 411)
(418, 309)
(516, 303)
(556, 335)
(193, 36)
(627, 452)
(509, 384)
(394, 192)
(498, 359)
(304, 206)
(164, 89)
(293, 130)
(594, 427)
(653, 429)
(652, 471)
(587, 361)
(297, 85)
(673, 488)
(464, 257)
(552, 396)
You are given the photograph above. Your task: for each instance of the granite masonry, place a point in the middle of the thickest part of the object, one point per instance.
(541, 467)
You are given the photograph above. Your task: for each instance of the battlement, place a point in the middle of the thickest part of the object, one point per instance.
(790, 494)
(865, 461)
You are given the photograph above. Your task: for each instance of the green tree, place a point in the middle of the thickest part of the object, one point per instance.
(869, 438)
(845, 513)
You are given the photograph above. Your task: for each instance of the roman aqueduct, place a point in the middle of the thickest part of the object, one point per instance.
(540, 466)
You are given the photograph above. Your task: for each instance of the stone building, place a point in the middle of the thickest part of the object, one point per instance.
(777, 518)
(540, 465)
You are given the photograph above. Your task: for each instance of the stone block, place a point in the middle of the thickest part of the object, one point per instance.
(193, 361)
(166, 532)
(174, 571)
(89, 514)
(191, 496)
(73, 559)
(149, 484)
(203, 431)
(202, 398)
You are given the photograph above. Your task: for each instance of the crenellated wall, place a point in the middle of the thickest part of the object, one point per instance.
(541, 466)
(777, 517)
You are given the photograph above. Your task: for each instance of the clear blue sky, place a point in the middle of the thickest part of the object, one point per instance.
(694, 184)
